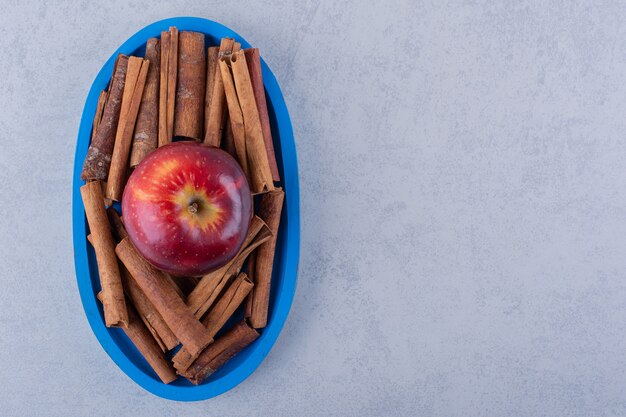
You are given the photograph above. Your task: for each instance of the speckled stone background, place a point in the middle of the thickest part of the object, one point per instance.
(463, 177)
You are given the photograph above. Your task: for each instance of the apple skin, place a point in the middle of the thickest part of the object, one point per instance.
(187, 208)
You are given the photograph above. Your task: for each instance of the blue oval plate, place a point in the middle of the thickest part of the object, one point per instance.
(114, 341)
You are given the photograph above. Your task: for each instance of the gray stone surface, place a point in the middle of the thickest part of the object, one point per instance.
(463, 208)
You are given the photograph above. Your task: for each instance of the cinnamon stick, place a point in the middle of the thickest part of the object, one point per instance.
(220, 352)
(190, 91)
(172, 74)
(167, 87)
(217, 110)
(258, 162)
(164, 137)
(147, 346)
(98, 116)
(234, 269)
(256, 155)
(228, 303)
(253, 59)
(133, 90)
(250, 266)
(164, 298)
(170, 280)
(270, 208)
(145, 138)
(98, 159)
(119, 231)
(228, 141)
(115, 313)
(207, 290)
(235, 116)
(211, 68)
(151, 318)
(219, 315)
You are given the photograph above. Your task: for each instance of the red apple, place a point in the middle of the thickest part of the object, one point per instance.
(187, 208)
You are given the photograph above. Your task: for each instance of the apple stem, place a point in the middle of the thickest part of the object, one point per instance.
(193, 208)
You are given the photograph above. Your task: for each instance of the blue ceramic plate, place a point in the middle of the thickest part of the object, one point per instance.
(114, 341)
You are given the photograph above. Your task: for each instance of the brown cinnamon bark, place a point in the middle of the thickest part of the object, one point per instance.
(253, 60)
(147, 346)
(235, 117)
(151, 318)
(219, 315)
(190, 91)
(133, 90)
(251, 265)
(220, 352)
(217, 109)
(170, 280)
(164, 138)
(211, 68)
(258, 162)
(164, 298)
(228, 141)
(145, 138)
(270, 207)
(167, 86)
(228, 303)
(119, 231)
(242, 98)
(114, 306)
(98, 159)
(172, 74)
(207, 290)
(98, 116)
(233, 270)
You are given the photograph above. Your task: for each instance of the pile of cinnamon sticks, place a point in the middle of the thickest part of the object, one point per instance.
(181, 90)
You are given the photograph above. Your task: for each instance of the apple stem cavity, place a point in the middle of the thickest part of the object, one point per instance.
(193, 207)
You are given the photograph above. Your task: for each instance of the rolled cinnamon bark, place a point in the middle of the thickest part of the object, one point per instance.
(217, 109)
(174, 285)
(164, 138)
(253, 60)
(258, 162)
(219, 315)
(241, 100)
(211, 68)
(145, 138)
(228, 303)
(250, 266)
(179, 318)
(98, 116)
(119, 231)
(151, 318)
(235, 117)
(133, 90)
(190, 90)
(228, 141)
(147, 346)
(220, 352)
(167, 84)
(172, 74)
(98, 159)
(207, 290)
(114, 306)
(234, 269)
(270, 207)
